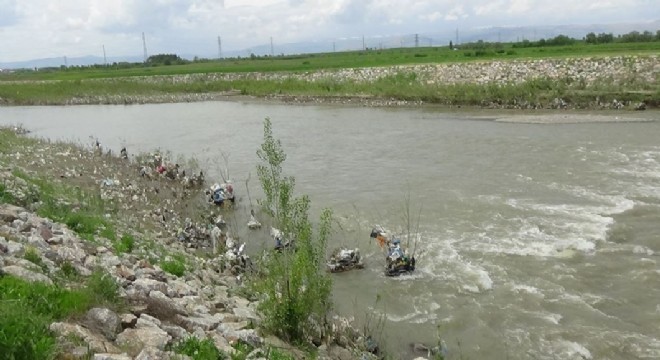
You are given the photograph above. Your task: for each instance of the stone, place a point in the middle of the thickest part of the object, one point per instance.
(112, 357)
(95, 342)
(139, 338)
(162, 306)
(246, 313)
(37, 242)
(145, 286)
(71, 254)
(106, 321)
(146, 320)
(151, 353)
(191, 323)
(14, 249)
(128, 320)
(26, 275)
(176, 332)
(179, 289)
(126, 273)
(340, 353)
(108, 261)
(221, 343)
(9, 213)
(3, 245)
(46, 233)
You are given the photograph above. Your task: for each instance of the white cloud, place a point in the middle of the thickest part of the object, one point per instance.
(53, 28)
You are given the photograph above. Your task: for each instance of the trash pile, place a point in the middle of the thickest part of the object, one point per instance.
(235, 258)
(345, 259)
(281, 243)
(397, 260)
(218, 193)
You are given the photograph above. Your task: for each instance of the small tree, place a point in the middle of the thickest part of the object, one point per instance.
(451, 45)
(295, 289)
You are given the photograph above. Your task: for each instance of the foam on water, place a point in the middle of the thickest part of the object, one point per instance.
(444, 261)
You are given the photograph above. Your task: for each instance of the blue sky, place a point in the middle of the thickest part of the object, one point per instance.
(32, 29)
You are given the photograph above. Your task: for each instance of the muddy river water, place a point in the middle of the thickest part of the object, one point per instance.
(537, 241)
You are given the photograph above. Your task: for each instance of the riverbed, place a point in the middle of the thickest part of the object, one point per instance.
(538, 232)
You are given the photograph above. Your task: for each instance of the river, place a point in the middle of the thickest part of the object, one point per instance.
(537, 241)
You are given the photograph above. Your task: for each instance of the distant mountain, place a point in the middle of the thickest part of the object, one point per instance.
(458, 36)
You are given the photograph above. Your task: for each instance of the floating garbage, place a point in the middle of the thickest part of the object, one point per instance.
(344, 260)
(253, 223)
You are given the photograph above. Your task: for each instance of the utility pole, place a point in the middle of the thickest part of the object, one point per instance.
(66, 64)
(271, 46)
(456, 36)
(219, 48)
(144, 45)
(105, 60)
(416, 40)
(364, 47)
(333, 47)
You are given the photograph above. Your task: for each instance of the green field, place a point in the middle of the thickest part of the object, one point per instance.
(354, 59)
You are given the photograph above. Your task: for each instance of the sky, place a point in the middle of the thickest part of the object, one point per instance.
(31, 29)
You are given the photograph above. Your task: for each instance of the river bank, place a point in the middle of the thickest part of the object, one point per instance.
(615, 82)
(70, 214)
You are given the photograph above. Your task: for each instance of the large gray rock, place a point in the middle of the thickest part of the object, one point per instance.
(38, 242)
(95, 342)
(139, 338)
(26, 275)
(14, 248)
(71, 253)
(177, 332)
(162, 306)
(147, 320)
(106, 321)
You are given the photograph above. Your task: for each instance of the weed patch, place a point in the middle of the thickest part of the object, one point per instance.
(199, 349)
(28, 309)
(125, 245)
(176, 266)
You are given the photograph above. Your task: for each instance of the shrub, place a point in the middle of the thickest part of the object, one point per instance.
(295, 290)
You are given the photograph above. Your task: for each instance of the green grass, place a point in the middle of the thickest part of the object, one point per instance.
(5, 196)
(56, 202)
(32, 255)
(125, 245)
(28, 309)
(199, 349)
(175, 266)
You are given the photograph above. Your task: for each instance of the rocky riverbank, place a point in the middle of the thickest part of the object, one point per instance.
(160, 305)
